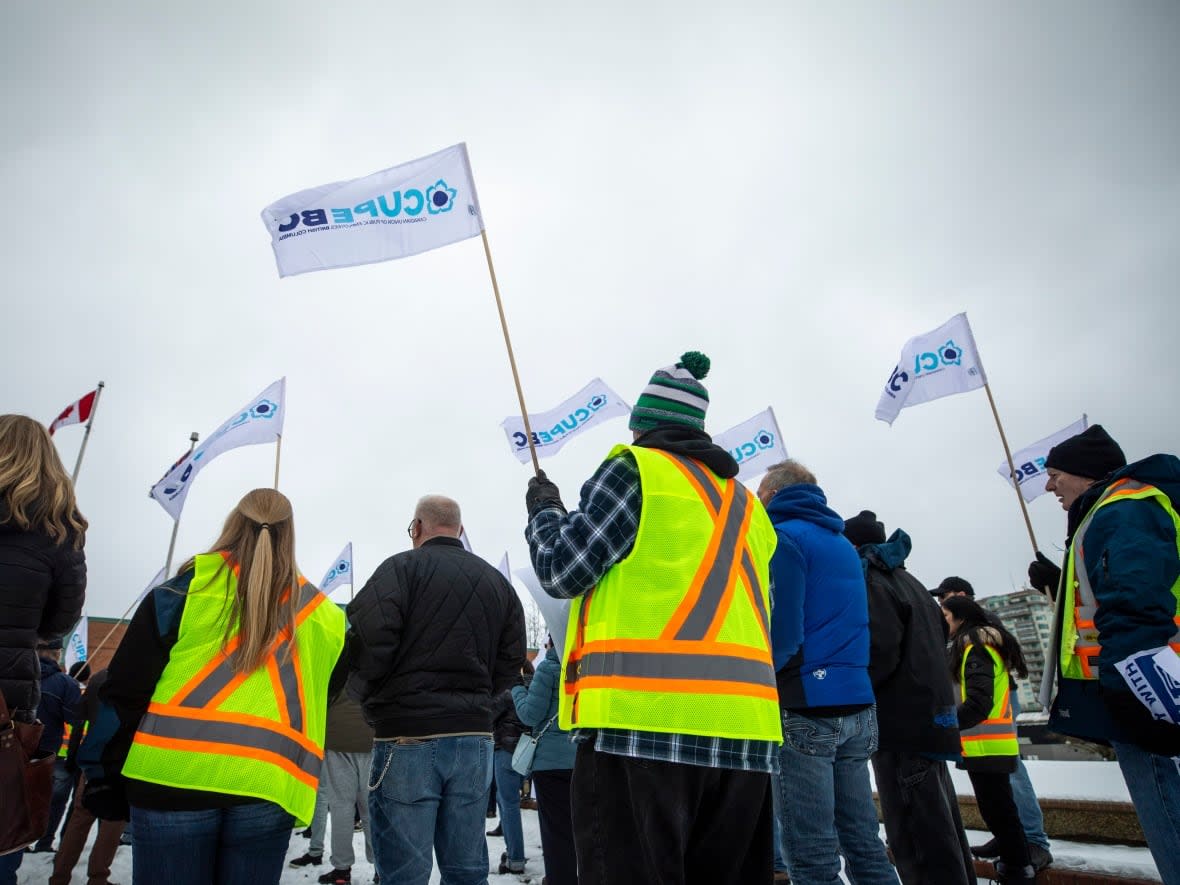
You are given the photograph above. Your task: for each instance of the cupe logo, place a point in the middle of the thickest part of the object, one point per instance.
(566, 425)
(435, 199)
(950, 354)
(761, 441)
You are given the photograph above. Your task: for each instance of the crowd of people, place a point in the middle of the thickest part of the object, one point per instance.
(734, 663)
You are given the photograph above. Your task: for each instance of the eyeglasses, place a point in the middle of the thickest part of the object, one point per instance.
(410, 527)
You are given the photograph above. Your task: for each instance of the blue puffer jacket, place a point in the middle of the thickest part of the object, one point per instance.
(820, 621)
(536, 705)
(1130, 557)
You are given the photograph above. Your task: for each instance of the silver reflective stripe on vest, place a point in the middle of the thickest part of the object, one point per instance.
(708, 602)
(1000, 729)
(703, 479)
(658, 665)
(231, 734)
(752, 582)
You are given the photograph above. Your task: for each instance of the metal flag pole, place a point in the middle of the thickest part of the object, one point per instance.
(86, 435)
(524, 414)
(351, 572)
(278, 455)
(1011, 468)
(193, 437)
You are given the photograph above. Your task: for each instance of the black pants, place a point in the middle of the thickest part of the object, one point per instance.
(922, 819)
(661, 823)
(557, 826)
(993, 792)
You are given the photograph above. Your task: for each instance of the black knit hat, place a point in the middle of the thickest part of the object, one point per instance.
(48, 645)
(674, 395)
(1092, 454)
(864, 528)
(953, 585)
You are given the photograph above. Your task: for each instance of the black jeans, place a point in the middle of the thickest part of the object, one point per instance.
(557, 826)
(922, 820)
(993, 792)
(662, 823)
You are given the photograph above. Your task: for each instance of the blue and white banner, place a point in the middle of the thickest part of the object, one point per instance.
(1154, 678)
(756, 444)
(411, 208)
(589, 407)
(1030, 461)
(259, 421)
(935, 364)
(77, 644)
(340, 573)
(556, 612)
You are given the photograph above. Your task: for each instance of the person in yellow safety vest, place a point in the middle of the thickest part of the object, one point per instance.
(668, 674)
(221, 689)
(1117, 622)
(981, 655)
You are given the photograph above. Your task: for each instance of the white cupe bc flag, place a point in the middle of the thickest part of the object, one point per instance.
(341, 571)
(936, 364)
(411, 208)
(589, 407)
(1030, 461)
(259, 421)
(78, 642)
(756, 444)
(556, 612)
(504, 569)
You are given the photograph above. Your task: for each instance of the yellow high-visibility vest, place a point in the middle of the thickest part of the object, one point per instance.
(1079, 635)
(995, 735)
(676, 637)
(257, 734)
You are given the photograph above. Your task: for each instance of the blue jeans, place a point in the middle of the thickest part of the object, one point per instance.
(508, 799)
(1154, 784)
(239, 845)
(431, 793)
(1027, 806)
(9, 864)
(826, 800)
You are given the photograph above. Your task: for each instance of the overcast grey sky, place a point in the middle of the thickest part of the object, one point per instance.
(794, 189)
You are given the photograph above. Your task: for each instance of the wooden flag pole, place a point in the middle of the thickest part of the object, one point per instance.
(193, 437)
(1011, 468)
(524, 414)
(86, 435)
(278, 455)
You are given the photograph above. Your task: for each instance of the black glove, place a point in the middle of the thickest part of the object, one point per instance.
(541, 493)
(106, 800)
(1154, 736)
(1043, 575)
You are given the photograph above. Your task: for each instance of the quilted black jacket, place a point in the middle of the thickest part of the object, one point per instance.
(435, 634)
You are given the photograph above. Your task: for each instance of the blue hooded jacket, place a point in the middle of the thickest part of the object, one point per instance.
(819, 624)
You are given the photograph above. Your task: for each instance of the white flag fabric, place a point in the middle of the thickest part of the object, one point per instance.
(259, 421)
(78, 642)
(756, 444)
(411, 208)
(504, 569)
(1030, 461)
(935, 364)
(589, 407)
(464, 540)
(556, 612)
(340, 573)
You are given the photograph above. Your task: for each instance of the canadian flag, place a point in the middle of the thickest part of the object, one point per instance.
(75, 413)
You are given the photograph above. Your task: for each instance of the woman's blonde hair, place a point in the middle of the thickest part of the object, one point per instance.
(259, 538)
(35, 490)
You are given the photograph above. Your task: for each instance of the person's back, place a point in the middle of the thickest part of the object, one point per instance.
(916, 720)
(435, 633)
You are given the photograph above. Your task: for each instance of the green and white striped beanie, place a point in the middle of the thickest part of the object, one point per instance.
(674, 395)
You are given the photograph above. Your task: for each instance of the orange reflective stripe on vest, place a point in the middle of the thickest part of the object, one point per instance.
(687, 657)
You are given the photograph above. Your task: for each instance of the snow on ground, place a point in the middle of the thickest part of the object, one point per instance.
(37, 867)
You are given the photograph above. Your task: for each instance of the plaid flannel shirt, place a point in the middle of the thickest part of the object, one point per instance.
(570, 554)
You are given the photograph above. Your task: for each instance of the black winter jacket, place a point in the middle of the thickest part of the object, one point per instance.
(506, 725)
(907, 656)
(435, 634)
(42, 588)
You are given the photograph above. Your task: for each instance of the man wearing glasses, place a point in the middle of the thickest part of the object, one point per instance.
(435, 634)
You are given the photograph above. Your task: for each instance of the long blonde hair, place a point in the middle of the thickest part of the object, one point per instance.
(35, 489)
(259, 538)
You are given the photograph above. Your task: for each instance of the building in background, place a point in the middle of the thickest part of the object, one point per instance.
(1028, 615)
